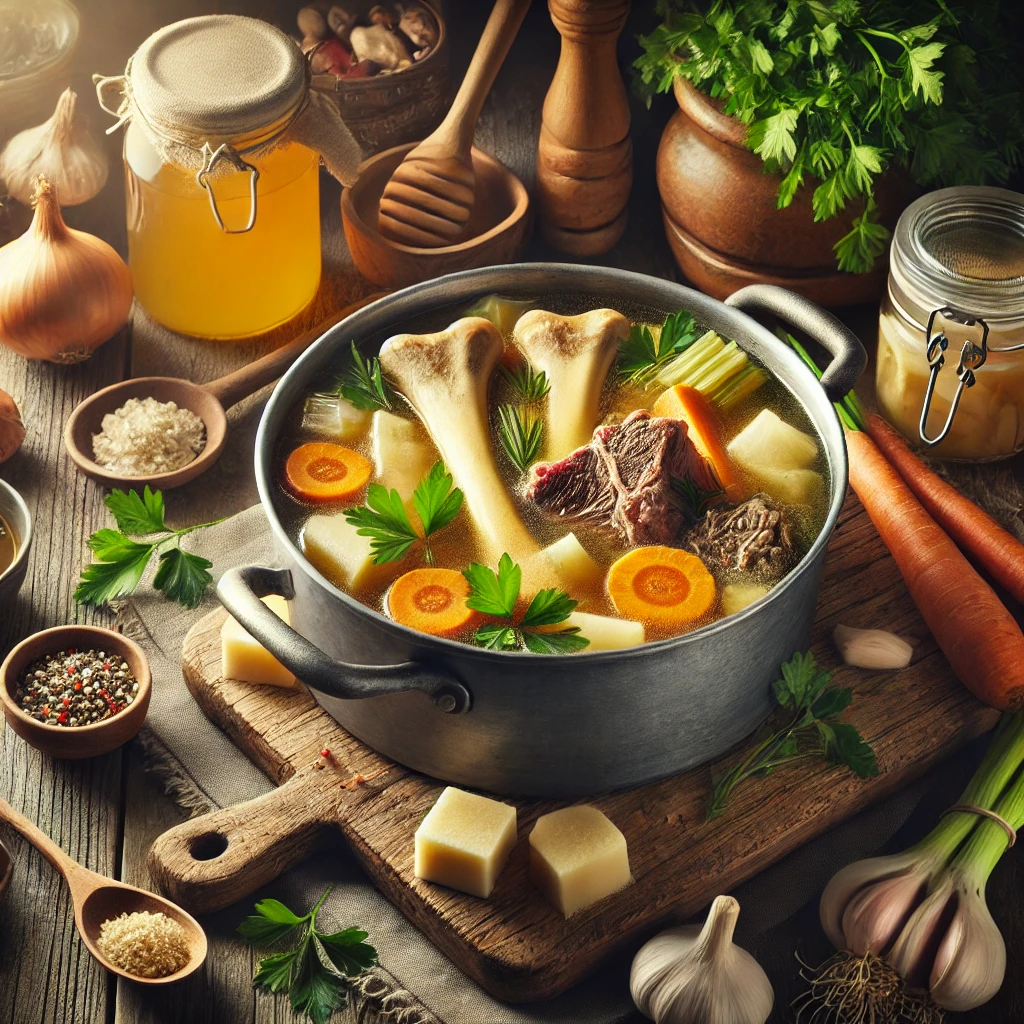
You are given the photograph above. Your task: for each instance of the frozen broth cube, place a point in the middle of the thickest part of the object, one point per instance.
(577, 857)
(243, 657)
(464, 841)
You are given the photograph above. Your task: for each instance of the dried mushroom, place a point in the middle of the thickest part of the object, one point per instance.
(753, 537)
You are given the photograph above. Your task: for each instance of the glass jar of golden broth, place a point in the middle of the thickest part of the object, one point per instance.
(950, 373)
(222, 153)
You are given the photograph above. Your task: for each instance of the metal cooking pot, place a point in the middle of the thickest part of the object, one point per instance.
(547, 725)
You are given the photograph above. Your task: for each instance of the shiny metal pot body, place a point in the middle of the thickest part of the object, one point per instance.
(533, 724)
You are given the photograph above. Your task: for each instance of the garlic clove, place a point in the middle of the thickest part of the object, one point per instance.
(62, 151)
(857, 877)
(697, 975)
(872, 648)
(877, 913)
(970, 962)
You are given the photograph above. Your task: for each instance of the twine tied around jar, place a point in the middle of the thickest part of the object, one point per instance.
(214, 120)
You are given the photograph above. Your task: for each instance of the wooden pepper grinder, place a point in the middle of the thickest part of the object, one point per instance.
(585, 157)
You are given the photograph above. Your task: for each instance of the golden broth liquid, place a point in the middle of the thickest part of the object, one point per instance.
(197, 279)
(8, 546)
(456, 546)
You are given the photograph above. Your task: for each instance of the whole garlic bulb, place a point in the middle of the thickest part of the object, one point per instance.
(12, 430)
(60, 150)
(62, 292)
(696, 975)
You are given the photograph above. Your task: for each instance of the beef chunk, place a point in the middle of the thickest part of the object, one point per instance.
(631, 478)
(753, 537)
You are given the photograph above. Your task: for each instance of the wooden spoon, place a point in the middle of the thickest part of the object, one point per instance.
(97, 899)
(207, 401)
(429, 199)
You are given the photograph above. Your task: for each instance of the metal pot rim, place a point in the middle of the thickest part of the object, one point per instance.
(581, 278)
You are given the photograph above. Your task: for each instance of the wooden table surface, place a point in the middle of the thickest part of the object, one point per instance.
(106, 811)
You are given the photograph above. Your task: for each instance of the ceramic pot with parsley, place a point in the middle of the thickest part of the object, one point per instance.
(804, 129)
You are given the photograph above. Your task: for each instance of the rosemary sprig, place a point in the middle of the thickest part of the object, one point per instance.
(529, 385)
(520, 433)
(363, 384)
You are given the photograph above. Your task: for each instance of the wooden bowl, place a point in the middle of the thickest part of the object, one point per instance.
(498, 227)
(86, 740)
(390, 110)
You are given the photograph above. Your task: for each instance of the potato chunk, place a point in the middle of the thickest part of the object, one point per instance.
(576, 568)
(334, 547)
(769, 443)
(607, 633)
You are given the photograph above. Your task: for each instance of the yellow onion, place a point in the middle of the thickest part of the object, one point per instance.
(62, 292)
(12, 430)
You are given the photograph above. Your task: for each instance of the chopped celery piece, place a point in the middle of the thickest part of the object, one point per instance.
(719, 370)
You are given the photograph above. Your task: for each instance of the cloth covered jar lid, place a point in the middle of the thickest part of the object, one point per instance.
(224, 80)
(222, 75)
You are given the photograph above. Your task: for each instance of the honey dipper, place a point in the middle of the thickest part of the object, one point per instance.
(429, 199)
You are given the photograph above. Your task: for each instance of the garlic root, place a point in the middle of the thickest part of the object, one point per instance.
(445, 377)
(62, 292)
(872, 648)
(62, 151)
(696, 975)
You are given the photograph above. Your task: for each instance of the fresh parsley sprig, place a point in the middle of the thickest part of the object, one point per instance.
(121, 561)
(644, 351)
(386, 522)
(363, 384)
(316, 989)
(497, 593)
(811, 730)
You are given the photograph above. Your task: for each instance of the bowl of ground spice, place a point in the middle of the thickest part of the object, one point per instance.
(75, 691)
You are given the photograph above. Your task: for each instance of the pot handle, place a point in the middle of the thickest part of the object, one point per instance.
(848, 355)
(240, 590)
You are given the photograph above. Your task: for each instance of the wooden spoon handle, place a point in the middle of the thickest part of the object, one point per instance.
(459, 125)
(40, 840)
(233, 387)
(209, 862)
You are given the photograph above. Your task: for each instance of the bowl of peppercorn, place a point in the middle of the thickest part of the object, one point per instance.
(75, 691)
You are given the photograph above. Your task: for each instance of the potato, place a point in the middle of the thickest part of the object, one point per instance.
(769, 443)
(792, 486)
(736, 596)
(606, 633)
(332, 545)
(576, 568)
(402, 456)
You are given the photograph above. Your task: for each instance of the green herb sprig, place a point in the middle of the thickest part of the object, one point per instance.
(316, 989)
(363, 384)
(496, 594)
(386, 522)
(811, 730)
(520, 426)
(121, 561)
(527, 384)
(844, 90)
(646, 351)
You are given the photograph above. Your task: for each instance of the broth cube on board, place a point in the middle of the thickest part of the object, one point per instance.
(243, 657)
(464, 841)
(577, 857)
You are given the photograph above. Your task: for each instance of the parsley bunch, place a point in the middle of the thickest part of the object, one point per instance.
(646, 351)
(812, 729)
(316, 990)
(497, 593)
(121, 560)
(840, 91)
(386, 522)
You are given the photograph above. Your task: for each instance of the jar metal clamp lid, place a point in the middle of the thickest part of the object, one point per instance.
(957, 274)
(215, 93)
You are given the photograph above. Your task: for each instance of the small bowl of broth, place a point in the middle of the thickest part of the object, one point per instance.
(15, 540)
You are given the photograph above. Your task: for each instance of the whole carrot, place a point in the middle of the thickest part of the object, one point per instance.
(976, 532)
(979, 637)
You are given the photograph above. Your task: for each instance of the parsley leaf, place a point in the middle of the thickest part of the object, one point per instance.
(121, 562)
(315, 989)
(497, 594)
(648, 347)
(386, 522)
(813, 705)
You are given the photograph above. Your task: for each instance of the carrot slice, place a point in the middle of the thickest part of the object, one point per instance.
(432, 601)
(326, 472)
(663, 586)
(696, 411)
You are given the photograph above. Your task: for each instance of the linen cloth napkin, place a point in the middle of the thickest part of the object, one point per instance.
(415, 983)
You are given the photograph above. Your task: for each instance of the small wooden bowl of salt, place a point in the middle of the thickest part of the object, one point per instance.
(165, 431)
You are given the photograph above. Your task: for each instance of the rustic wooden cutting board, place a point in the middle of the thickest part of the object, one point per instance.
(515, 944)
